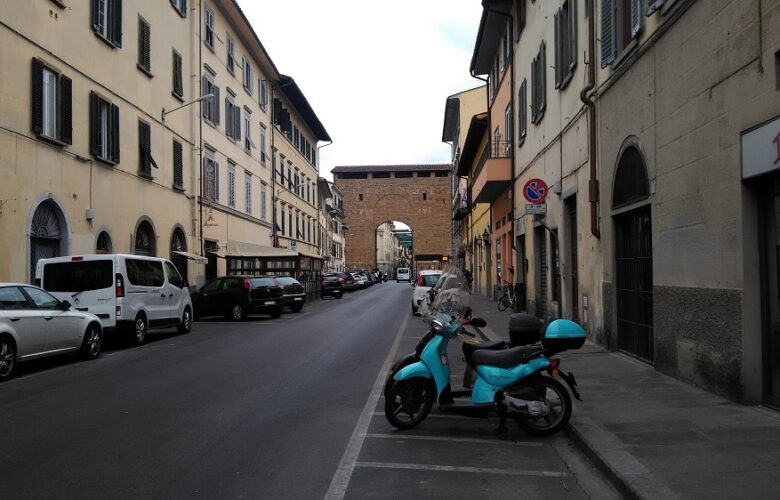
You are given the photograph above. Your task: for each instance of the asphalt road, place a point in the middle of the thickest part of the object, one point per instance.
(284, 408)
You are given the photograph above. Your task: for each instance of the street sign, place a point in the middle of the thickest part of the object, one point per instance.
(535, 191)
(536, 208)
(293, 244)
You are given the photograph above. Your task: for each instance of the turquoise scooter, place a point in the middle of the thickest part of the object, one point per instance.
(518, 383)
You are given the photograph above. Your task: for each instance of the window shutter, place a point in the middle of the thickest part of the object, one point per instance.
(654, 5)
(178, 165)
(558, 56)
(115, 133)
(144, 44)
(607, 32)
(94, 146)
(216, 102)
(216, 181)
(66, 110)
(543, 78)
(636, 17)
(573, 34)
(95, 18)
(116, 17)
(37, 96)
(143, 148)
(237, 123)
(228, 118)
(177, 75)
(183, 7)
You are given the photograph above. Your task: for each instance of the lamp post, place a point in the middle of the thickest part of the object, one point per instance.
(199, 99)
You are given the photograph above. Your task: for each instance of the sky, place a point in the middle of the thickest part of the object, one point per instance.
(377, 74)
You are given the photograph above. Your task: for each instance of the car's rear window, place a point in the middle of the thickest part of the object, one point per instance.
(287, 281)
(403, 270)
(331, 277)
(261, 281)
(79, 276)
(431, 279)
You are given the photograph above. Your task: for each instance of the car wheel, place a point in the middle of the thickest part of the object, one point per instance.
(186, 322)
(236, 313)
(414, 311)
(276, 313)
(7, 358)
(339, 295)
(92, 343)
(139, 330)
(296, 308)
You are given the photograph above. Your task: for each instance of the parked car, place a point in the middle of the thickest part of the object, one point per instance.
(294, 296)
(426, 280)
(332, 285)
(349, 284)
(361, 280)
(35, 324)
(130, 293)
(235, 297)
(403, 274)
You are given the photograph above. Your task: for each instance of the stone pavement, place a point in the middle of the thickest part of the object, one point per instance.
(657, 437)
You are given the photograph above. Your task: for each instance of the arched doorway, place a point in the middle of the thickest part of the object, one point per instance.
(145, 240)
(179, 244)
(48, 234)
(103, 244)
(393, 247)
(633, 256)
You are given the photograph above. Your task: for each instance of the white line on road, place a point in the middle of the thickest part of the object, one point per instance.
(454, 468)
(452, 439)
(340, 482)
(433, 415)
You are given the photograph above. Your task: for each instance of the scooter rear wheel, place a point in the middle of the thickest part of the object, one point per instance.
(408, 402)
(556, 395)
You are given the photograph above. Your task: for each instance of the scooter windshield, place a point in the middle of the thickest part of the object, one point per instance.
(449, 296)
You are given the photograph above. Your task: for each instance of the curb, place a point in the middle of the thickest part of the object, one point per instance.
(623, 470)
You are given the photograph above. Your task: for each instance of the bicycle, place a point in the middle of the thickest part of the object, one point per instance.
(510, 297)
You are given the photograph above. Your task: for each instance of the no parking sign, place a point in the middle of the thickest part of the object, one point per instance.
(535, 191)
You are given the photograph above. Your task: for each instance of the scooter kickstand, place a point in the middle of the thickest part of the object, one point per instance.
(502, 431)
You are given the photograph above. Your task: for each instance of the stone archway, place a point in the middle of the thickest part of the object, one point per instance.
(420, 196)
(48, 232)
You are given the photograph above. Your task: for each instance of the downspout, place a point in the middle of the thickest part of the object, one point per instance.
(199, 196)
(273, 169)
(586, 98)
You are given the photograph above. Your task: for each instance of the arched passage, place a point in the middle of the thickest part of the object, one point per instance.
(633, 255)
(48, 233)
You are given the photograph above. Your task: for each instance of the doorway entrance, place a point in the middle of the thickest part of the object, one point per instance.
(770, 230)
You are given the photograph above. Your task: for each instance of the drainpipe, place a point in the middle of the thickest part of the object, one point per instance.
(593, 184)
(199, 195)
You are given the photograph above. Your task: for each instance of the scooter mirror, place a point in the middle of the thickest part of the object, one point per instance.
(478, 322)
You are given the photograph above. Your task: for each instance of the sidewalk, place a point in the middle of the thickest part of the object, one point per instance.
(658, 437)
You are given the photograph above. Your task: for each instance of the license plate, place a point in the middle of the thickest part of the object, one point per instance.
(269, 302)
(298, 298)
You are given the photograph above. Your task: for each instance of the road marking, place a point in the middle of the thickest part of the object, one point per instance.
(452, 439)
(340, 482)
(433, 415)
(454, 468)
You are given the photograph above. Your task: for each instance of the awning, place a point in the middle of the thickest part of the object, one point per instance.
(244, 249)
(191, 256)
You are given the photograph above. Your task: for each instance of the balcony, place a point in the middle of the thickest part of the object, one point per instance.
(494, 172)
(460, 207)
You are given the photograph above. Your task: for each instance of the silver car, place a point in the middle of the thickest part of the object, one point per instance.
(35, 324)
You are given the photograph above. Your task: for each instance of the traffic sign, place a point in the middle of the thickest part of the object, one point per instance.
(293, 244)
(535, 191)
(536, 208)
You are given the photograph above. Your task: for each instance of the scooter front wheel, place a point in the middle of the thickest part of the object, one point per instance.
(408, 402)
(557, 397)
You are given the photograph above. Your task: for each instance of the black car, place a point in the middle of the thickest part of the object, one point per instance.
(294, 296)
(234, 297)
(348, 282)
(332, 285)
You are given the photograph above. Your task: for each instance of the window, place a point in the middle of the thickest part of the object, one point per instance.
(295, 136)
(247, 131)
(508, 131)
(209, 39)
(210, 178)
(519, 18)
(180, 6)
(522, 114)
(104, 129)
(538, 86)
(263, 93)
(83, 275)
(556, 267)
(231, 186)
(248, 78)
(289, 218)
(284, 218)
(145, 239)
(232, 119)
(145, 160)
(621, 22)
(262, 147)
(145, 272)
(102, 245)
(425, 196)
(11, 298)
(178, 82)
(263, 201)
(289, 178)
(210, 106)
(178, 165)
(144, 46)
(52, 104)
(107, 20)
(565, 43)
(41, 299)
(248, 192)
(231, 55)
(174, 278)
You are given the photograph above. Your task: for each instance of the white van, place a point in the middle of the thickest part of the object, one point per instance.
(402, 274)
(127, 292)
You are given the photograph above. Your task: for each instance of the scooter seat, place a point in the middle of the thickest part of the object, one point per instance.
(469, 349)
(507, 358)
